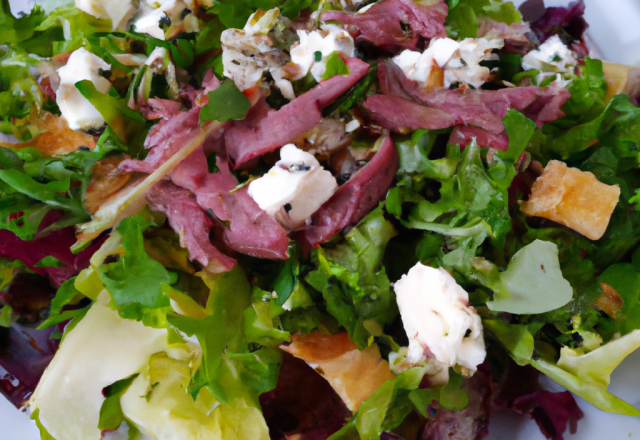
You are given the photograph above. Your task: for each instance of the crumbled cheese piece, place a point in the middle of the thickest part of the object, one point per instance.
(294, 188)
(152, 12)
(102, 349)
(75, 108)
(573, 198)
(438, 320)
(353, 374)
(552, 56)
(352, 126)
(315, 47)
(460, 62)
(118, 11)
(248, 52)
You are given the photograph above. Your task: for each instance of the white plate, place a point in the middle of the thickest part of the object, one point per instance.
(615, 34)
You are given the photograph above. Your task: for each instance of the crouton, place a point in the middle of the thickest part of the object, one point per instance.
(573, 198)
(353, 374)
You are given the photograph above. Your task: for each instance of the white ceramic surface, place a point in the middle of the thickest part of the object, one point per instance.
(614, 33)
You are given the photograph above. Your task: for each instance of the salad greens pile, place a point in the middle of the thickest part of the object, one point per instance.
(451, 206)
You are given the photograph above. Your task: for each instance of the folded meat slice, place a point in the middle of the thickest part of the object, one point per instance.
(352, 373)
(401, 115)
(265, 131)
(249, 230)
(479, 108)
(191, 224)
(165, 139)
(355, 199)
(384, 24)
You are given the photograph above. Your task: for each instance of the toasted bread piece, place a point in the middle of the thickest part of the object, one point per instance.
(573, 198)
(55, 137)
(352, 373)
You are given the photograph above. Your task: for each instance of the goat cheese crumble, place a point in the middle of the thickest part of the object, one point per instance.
(75, 108)
(118, 11)
(552, 58)
(248, 52)
(459, 61)
(294, 188)
(438, 320)
(315, 47)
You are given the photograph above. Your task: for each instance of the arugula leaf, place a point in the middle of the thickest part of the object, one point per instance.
(226, 103)
(335, 66)
(111, 415)
(135, 280)
(48, 193)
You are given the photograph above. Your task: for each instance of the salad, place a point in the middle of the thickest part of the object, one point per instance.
(312, 219)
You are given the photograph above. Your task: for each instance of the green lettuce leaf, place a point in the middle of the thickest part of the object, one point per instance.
(15, 30)
(230, 369)
(130, 126)
(5, 316)
(385, 409)
(462, 20)
(135, 281)
(75, 25)
(235, 13)
(111, 416)
(586, 375)
(353, 282)
(335, 66)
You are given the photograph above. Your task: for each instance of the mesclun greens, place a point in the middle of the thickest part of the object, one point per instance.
(451, 206)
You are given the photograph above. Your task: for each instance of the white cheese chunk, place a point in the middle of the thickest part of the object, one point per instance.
(329, 39)
(102, 349)
(552, 56)
(438, 320)
(459, 60)
(294, 188)
(75, 108)
(153, 11)
(248, 52)
(118, 11)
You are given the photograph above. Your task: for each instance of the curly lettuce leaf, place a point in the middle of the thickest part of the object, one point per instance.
(353, 282)
(16, 30)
